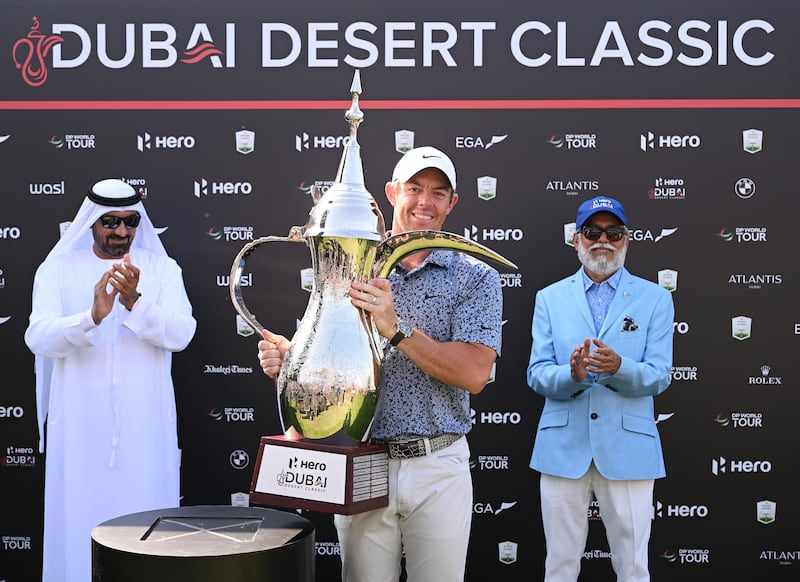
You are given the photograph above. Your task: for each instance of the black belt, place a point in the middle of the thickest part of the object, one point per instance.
(421, 446)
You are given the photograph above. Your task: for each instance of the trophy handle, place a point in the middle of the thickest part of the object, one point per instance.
(295, 235)
(394, 248)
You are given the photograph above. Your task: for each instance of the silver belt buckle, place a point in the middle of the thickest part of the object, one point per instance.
(428, 448)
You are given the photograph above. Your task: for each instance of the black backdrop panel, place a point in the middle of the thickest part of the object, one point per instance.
(667, 140)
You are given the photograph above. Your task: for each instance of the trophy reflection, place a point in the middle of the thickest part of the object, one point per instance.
(328, 383)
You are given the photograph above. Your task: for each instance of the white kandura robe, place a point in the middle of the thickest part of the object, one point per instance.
(112, 446)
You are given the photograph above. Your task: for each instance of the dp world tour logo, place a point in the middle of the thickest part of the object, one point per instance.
(29, 54)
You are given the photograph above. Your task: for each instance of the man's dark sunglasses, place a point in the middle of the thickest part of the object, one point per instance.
(111, 221)
(613, 233)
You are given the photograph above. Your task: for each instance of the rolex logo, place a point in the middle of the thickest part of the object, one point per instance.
(765, 370)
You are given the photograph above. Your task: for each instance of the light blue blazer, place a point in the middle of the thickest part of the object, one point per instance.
(610, 422)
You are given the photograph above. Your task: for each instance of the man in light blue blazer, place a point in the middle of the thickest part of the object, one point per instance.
(602, 348)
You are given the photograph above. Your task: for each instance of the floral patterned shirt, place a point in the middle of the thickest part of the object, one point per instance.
(451, 297)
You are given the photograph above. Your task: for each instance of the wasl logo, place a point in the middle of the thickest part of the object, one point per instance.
(155, 40)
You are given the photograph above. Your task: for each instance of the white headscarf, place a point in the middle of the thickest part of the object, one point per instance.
(105, 196)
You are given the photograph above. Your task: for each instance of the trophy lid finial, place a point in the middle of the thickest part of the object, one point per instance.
(347, 209)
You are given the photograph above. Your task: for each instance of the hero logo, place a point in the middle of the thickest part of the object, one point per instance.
(493, 234)
(469, 142)
(11, 412)
(164, 142)
(303, 141)
(10, 232)
(496, 417)
(650, 141)
(203, 187)
(723, 465)
(680, 510)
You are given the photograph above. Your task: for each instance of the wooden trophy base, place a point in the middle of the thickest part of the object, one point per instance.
(300, 473)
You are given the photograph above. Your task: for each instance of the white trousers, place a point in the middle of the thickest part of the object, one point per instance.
(626, 508)
(429, 517)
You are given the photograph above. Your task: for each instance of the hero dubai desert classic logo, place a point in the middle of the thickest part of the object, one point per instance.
(156, 44)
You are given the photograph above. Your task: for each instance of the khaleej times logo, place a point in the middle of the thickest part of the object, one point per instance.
(226, 370)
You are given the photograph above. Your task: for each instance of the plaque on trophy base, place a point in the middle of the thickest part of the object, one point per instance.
(307, 474)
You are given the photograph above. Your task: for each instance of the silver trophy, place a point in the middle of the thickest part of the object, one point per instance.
(328, 384)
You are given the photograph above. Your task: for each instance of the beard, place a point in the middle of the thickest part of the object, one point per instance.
(602, 265)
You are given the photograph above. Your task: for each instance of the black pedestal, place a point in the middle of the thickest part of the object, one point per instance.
(204, 544)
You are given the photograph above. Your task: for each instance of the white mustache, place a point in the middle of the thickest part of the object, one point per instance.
(605, 246)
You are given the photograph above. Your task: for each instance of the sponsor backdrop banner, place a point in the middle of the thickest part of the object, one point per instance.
(686, 112)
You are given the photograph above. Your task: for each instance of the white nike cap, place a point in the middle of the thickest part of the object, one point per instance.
(418, 159)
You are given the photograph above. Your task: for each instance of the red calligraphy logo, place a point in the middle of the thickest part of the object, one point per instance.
(34, 48)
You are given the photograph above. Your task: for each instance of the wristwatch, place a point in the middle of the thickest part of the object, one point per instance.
(403, 331)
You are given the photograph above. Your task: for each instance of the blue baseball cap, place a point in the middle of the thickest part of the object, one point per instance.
(599, 204)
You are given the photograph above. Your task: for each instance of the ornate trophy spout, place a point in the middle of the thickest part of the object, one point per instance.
(328, 384)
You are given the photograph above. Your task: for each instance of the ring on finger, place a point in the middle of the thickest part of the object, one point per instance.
(374, 299)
